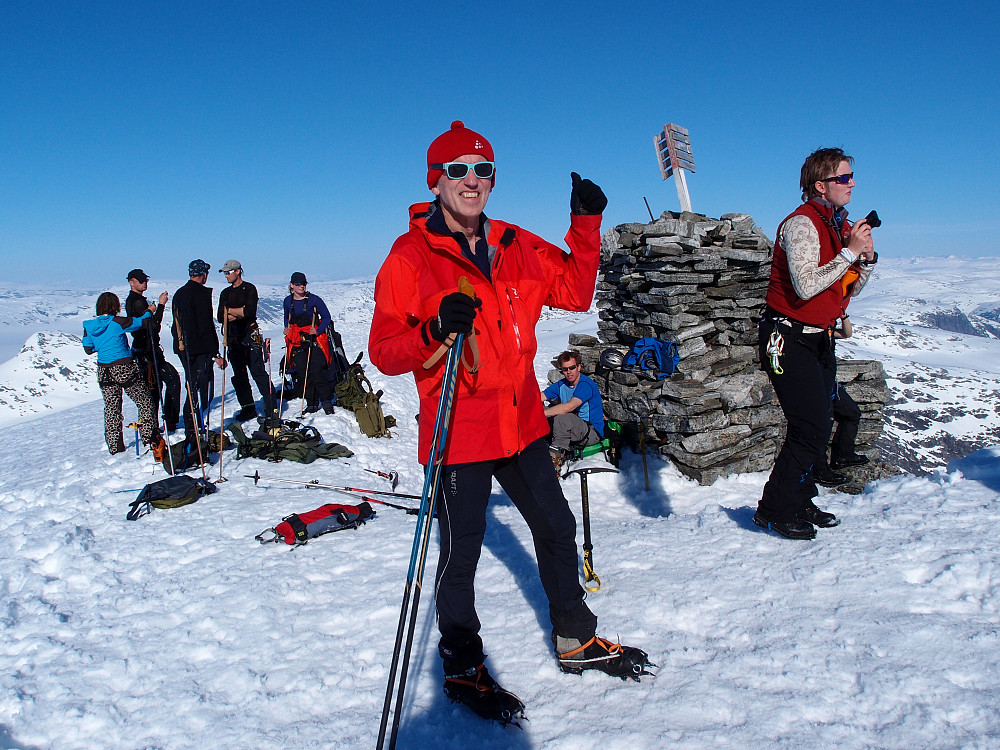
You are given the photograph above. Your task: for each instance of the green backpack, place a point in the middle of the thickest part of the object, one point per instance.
(294, 442)
(355, 392)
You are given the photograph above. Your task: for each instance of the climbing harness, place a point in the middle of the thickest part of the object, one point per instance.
(775, 348)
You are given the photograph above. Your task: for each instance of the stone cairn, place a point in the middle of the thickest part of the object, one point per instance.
(700, 283)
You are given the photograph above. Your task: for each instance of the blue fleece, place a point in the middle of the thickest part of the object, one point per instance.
(106, 336)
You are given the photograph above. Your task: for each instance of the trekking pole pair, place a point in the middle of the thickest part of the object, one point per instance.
(159, 392)
(421, 538)
(222, 416)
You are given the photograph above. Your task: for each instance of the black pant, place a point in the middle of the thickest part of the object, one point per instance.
(847, 415)
(805, 388)
(315, 388)
(200, 384)
(247, 356)
(170, 386)
(532, 486)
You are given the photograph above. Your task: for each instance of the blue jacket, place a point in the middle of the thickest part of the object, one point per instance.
(106, 336)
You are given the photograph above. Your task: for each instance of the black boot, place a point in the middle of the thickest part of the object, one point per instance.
(797, 529)
(614, 659)
(246, 413)
(467, 681)
(818, 517)
(852, 459)
(827, 477)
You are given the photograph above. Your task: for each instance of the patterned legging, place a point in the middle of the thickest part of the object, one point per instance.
(113, 379)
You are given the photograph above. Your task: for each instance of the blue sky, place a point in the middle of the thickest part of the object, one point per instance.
(293, 136)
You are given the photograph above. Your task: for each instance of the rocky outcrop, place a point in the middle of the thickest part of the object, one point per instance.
(700, 283)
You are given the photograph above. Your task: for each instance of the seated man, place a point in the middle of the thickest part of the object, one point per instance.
(578, 417)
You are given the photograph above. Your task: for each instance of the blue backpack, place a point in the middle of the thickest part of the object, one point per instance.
(652, 354)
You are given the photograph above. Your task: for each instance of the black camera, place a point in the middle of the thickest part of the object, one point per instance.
(872, 219)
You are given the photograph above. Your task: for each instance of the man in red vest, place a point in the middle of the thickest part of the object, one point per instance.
(820, 261)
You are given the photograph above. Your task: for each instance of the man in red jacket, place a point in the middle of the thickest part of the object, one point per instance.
(820, 260)
(498, 426)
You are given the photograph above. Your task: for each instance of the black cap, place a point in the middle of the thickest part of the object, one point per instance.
(138, 274)
(299, 278)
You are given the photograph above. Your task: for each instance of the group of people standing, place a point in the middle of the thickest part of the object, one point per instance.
(143, 372)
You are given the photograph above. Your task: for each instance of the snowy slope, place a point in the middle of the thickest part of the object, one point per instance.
(181, 631)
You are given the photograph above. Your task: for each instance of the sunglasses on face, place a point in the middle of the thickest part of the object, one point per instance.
(457, 170)
(840, 179)
(564, 370)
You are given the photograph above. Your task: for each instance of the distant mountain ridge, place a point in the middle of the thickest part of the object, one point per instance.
(934, 324)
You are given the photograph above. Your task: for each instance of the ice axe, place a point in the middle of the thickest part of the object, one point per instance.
(392, 476)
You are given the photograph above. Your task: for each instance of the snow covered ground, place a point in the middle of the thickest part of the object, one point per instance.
(179, 630)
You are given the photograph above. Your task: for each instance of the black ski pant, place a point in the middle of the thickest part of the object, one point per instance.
(245, 357)
(847, 415)
(199, 385)
(315, 388)
(531, 484)
(805, 387)
(170, 387)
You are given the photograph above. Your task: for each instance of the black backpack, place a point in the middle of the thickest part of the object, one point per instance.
(173, 492)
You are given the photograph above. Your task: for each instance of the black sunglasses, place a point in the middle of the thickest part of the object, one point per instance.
(840, 179)
(457, 170)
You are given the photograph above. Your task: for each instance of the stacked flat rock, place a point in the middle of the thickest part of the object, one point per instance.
(700, 283)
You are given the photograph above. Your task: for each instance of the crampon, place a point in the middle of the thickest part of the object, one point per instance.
(476, 689)
(625, 662)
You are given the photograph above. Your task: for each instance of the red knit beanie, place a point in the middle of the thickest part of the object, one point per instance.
(458, 141)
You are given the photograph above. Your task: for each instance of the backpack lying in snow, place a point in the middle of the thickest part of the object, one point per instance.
(173, 492)
(185, 455)
(651, 354)
(355, 392)
(299, 528)
(292, 441)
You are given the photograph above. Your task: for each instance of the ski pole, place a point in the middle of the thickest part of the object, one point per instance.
(421, 538)
(222, 416)
(135, 426)
(392, 476)
(642, 450)
(159, 394)
(256, 477)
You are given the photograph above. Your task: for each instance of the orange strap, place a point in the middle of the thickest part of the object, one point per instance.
(468, 290)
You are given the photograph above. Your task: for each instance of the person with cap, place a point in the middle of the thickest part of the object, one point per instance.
(196, 342)
(820, 261)
(307, 346)
(147, 351)
(498, 427)
(238, 316)
(117, 371)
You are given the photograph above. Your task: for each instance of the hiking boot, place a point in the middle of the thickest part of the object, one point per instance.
(159, 449)
(625, 662)
(818, 517)
(853, 459)
(328, 407)
(246, 413)
(311, 409)
(477, 689)
(827, 477)
(171, 426)
(797, 529)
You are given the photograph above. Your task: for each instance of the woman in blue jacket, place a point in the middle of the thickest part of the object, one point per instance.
(117, 371)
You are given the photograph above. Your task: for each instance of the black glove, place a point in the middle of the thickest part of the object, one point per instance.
(586, 198)
(455, 315)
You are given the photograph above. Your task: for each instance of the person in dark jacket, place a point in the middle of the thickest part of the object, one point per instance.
(308, 346)
(117, 371)
(196, 342)
(146, 349)
(245, 344)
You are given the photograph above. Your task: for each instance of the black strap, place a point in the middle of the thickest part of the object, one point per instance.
(298, 528)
